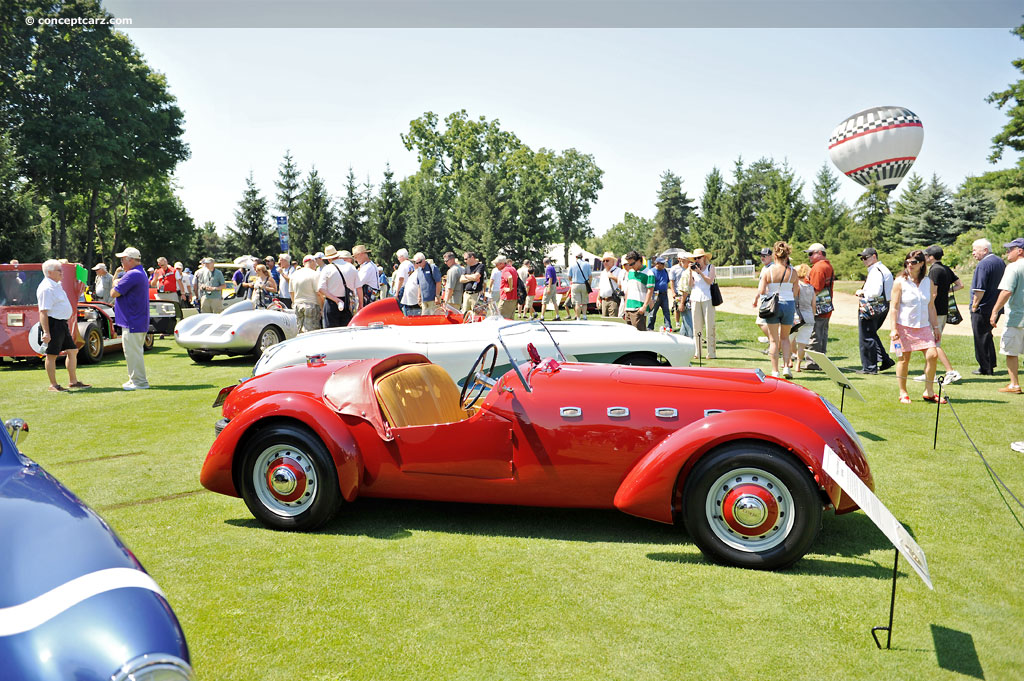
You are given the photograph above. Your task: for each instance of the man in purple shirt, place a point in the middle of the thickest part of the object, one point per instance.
(550, 286)
(131, 313)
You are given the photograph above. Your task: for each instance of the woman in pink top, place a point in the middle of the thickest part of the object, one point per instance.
(914, 324)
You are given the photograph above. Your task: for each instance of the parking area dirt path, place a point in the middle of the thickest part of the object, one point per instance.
(739, 299)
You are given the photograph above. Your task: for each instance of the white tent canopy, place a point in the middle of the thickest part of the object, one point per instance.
(557, 254)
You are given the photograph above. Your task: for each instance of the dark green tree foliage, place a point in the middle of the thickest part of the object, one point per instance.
(353, 214)
(425, 231)
(252, 233)
(210, 244)
(315, 222)
(782, 212)
(1012, 134)
(974, 209)
(630, 234)
(386, 230)
(927, 215)
(525, 227)
(707, 231)
(672, 221)
(158, 224)
(289, 190)
(19, 211)
(575, 183)
(828, 218)
(905, 218)
(871, 212)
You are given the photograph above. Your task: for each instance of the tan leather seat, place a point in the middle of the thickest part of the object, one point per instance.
(418, 395)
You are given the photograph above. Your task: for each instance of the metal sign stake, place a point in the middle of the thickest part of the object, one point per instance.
(892, 607)
(938, 408)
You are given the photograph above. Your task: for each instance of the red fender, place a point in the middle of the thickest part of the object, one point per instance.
(648, 489)
(216, 474)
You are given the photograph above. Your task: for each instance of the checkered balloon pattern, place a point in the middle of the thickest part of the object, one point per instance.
(877, 145)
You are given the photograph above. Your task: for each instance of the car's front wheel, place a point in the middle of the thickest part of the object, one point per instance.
(288, 479)
(92, 351)
(751, 505)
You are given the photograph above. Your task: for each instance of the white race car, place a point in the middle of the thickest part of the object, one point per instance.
(456, 346)
(240, 329)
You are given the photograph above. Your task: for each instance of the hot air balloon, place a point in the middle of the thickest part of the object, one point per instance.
(878, 144)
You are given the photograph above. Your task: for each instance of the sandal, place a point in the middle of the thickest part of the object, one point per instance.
(57, 389)
(904, 399)
(934, 399)
(79, 384)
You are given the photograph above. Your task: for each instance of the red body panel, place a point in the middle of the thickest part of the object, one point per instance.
(520, 448)
(14, 338)
(387, 311)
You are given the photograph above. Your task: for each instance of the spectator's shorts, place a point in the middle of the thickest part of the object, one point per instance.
(1011, 343)
(579, 294)
(60, 337)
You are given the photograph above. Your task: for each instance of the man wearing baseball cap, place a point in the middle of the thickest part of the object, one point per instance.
(210, 283)
(822, 278)
(404, 271)
(944, 282)
(1011, 294)
(131, 313)
(874, 308)
(103, 284)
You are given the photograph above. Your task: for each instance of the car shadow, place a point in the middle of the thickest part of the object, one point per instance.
(805, 566)
(153, 386)
(396, 519)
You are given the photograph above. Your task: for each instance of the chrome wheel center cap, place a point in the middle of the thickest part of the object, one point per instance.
(750, 511)
(283, 480)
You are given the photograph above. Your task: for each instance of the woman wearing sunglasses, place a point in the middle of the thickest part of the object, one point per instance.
(915, 325)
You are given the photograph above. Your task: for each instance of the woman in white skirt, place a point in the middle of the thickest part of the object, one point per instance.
(915, 325)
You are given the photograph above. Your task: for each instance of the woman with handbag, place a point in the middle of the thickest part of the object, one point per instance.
(779, 289)
(914, 324)
(703, 309)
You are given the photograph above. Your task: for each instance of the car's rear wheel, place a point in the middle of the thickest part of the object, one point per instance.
(288, 478)
(92, 351)
(751, 505)
(200, 357)
(269, 337)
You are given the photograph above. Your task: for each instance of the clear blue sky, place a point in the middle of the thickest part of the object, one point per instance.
(640, 101)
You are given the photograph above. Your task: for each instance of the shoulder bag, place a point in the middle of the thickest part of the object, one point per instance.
(586, 281)
(953, 315)
(716, 294)
(770, 301)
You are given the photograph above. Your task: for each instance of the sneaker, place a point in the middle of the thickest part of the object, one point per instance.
(920, 378)
(762, 339)
(951, 377)
(128, 386)
(1017, 446)
(775, 374)
(786, 372)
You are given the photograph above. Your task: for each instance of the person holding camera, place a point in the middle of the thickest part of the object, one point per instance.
(609, 286)
(703, 273)
(680, 284)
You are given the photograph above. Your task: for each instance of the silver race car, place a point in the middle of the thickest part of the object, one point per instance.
(241, 329)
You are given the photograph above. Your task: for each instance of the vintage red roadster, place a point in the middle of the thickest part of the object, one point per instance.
(732, 455)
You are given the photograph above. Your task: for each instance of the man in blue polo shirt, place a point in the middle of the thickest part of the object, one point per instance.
(579, 278)
(660, 295)
(984, 292)
(131, 313)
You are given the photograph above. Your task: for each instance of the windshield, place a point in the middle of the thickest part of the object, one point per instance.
(513, 339)
(19, 288)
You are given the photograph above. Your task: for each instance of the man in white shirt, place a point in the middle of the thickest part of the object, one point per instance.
(339, 284)
(609, 285)
(404, 271)
(285, 270)
(54, 312)
(874, 308)
(411, 301)
(369, 274)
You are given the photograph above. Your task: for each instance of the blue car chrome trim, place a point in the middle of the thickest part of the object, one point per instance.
(18, 619)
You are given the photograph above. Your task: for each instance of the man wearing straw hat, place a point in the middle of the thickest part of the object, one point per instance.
(680, 285)
(700, 301)
(338, 282)
(609, 285)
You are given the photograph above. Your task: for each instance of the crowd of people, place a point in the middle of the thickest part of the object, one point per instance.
(795, 303)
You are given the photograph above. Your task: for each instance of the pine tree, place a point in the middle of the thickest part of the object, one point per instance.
(353, 213)
(930, 222)
(672, 221)
(315, 221)
(386, 233)
(289, 191)
(871, 210)
(905, 220)
(252, 233)
(706, 228)
(973, 209)
(828, 218)
(425, 230)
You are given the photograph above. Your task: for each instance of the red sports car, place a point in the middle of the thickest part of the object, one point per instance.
(387, 311)
(733, 455)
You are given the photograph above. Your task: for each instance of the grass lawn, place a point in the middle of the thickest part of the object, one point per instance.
(416, 590)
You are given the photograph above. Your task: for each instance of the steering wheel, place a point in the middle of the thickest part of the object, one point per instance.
(474, 379)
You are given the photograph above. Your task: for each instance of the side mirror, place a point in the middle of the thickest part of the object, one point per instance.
(16, 427)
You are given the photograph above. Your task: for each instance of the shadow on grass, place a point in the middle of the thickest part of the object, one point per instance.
(396, 519)
(955, 651)
(153, 386)
(868, 435)
(804, 566)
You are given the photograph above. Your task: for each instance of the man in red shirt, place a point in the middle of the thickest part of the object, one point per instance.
(821, 278)
(509, 291)
(165, 279)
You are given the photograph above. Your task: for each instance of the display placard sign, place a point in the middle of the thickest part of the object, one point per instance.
(833, 372)
(882, 517)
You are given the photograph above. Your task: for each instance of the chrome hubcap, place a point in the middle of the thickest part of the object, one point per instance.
(750, 509)
(285, 480)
